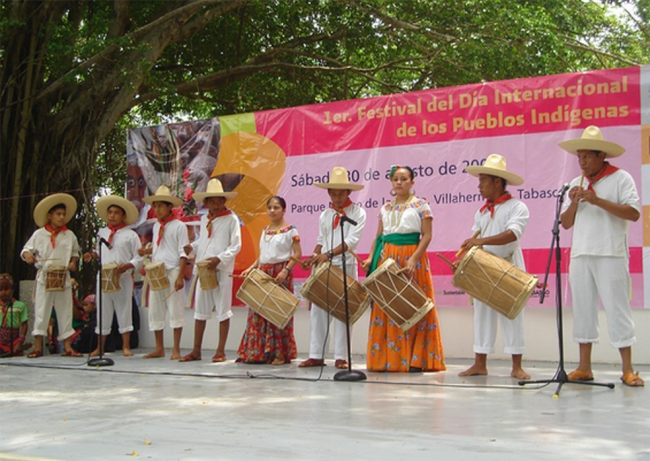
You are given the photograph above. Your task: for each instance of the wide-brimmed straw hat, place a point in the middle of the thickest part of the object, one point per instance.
(592, 139)
(214, 189)
(104, 203)
(495, 165)
(45, 205)
(163, 194)
(339, 180)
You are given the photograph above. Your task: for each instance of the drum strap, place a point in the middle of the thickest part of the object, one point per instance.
(412, 238)
(192, 293)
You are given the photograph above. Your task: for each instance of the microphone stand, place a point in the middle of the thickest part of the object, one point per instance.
(560, 376)
(349, 374)
(100, 361)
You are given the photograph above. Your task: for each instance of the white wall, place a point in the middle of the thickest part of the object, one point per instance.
(457, 335)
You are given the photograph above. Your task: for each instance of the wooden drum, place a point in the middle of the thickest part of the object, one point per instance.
(270, 300)
(55, 277)
(110, 279)
(401, 299)
(207, 277)
(324, 288)
(157, 276)
(494, 281)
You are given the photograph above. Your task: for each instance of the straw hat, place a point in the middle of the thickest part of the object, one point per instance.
(339, 180)
(104, 203)
(45, 205)
(495, 165)
(592, 139)
(214, 189)
(163, 194)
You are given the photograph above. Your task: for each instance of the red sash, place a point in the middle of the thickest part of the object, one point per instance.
(490, 205)
(606, 171)
(340, 212)
(208, 226)
(54, 232)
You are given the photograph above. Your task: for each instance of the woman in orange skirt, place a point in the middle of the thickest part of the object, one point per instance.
(403, 234)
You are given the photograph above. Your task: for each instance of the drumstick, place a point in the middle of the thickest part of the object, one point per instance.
(463, 249)
(356, 256)
(169, 296)
(237, 276)
(297, 261)
(446, 260)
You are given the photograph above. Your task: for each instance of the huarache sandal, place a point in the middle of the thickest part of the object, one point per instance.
(72, 353)
(577, 375)
(312, 363)
(218, 358)
(632, 380)
(190, 358)
(35, 354)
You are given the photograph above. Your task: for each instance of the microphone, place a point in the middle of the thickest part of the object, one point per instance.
(346, 219)
(105, 242)
(564, 189)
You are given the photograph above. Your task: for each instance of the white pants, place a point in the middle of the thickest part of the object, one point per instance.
(592, 277)
(175, 304)
(486, 320)
(218, 300)
(119, 303)
(62, 301)
(320, 324)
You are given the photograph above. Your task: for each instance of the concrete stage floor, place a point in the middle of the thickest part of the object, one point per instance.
(59, 408)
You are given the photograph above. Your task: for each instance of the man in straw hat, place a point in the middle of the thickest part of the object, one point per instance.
(498, 227)
(54, 250)
(218, 244)
(117, 213)
(600, 209)
(169, 239)
(329, 248)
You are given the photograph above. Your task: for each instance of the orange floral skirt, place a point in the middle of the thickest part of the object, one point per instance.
(391, 349)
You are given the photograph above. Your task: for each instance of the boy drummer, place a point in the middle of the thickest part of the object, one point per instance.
(53, 244)
(218, 243)
(329, 248)
(124, 244)
(169, 239)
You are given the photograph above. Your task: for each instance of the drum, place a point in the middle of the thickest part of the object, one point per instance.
(55, 278)
(324, 288)
(401, 299)
(207, 277)
(494, 281)
(110, 279)
(157, 276)
(270, 300)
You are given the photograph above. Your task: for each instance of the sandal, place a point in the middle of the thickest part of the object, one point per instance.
(218, 358)
(312, 363)
(71, 353)
(578, 375)
(278, 360)
(632, 380)
(35, 354)
(190, 358)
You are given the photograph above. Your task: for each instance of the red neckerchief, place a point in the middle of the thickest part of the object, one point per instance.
(340, 212)
(208, 226)
(113, 230)
(606, 171)
(54, 232)
(490, 205)
(163, 222)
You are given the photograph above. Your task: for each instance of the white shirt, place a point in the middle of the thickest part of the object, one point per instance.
(224, 242)
(125, 243)
(39, 244)
(330, 238)
(597, 232)
(275, 246)
(171, 246)
(510, 215)
(405, 218)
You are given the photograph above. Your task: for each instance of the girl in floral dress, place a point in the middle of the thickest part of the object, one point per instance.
(263, 342)
(403, 234)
